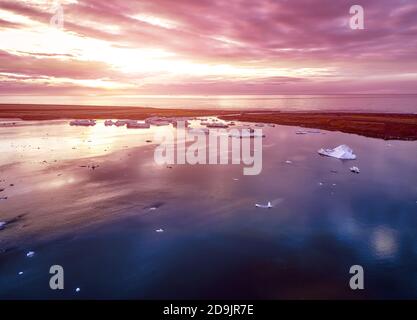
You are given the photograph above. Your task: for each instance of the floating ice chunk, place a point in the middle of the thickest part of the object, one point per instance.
(341, 152)
(158, 121)
(30, 254)
(137, 125)
(83, 122)
(217, 125)
(264, 206)
(20, 273)
(307, 131)
(77, 290)
(120, 123)
(2, 224)
(159, 230)
(288, 162)
(355, 170)
(270, 204)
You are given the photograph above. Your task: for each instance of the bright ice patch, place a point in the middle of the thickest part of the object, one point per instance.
(341, 152)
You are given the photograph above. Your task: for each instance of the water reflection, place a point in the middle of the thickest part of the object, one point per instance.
(215, 243)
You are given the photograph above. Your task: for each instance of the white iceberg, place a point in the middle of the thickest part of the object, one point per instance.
(264, 206)
(341, 152)
(137, 125)
(30, 254)
(355, 170)
(217, 125)
(270, 204)
(83, 122)
(159, 230)
(2, 224)
(120, 123)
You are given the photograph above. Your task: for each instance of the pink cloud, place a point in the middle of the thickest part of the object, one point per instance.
(264, 33)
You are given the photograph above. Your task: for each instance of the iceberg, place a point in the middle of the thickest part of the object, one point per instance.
(30, 254)
(355, 170)
(342, 152)
(83, 122)
(137, 125)
(217, 125)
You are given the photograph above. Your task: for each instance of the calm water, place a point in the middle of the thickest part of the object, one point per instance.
(97, 224)
(368, 103)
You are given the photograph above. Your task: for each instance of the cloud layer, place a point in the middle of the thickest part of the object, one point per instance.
(126, 47)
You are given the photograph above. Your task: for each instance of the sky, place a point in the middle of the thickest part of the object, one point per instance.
(128, 48)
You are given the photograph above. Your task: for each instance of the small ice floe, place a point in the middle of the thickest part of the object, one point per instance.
(77, 290)
(20, 273)
(158, 121)
(342, 152)
(264, 206)
(3, 198)
(235, 179)
(2, 224)
(30, 254)
(120, 123)
(83, 122)
(270, 204)
(288, 162)
(247, 133)
(137, 125)
(321, 183)
(355, 170)
(217, 125)
(300, 132)
(159, 230)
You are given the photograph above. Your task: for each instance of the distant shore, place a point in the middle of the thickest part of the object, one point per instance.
(388, 126)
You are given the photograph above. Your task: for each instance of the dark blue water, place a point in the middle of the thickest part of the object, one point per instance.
(215, 243)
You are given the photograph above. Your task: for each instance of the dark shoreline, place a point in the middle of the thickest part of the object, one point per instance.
(387, 126)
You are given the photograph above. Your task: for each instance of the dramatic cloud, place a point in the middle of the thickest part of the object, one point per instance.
(126, 47)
